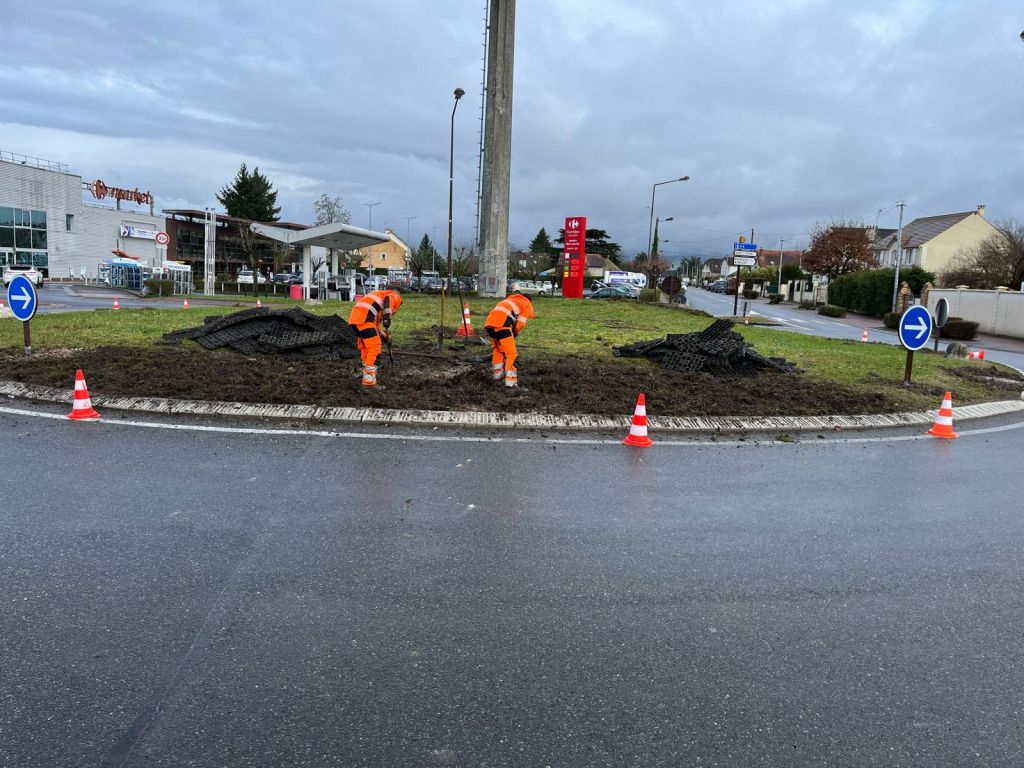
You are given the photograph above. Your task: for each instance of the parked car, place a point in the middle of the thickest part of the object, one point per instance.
(628, 288)
(27, 270)
(530, 288)
(245, 277)
(612, 292)
(287, 278)
(718, 286)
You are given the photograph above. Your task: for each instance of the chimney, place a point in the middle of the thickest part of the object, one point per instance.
(981, 211)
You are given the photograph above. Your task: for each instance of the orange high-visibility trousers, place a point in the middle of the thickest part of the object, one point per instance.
(368, 341)
(503, 352)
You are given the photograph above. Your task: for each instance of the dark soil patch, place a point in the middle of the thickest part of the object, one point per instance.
(459, 381)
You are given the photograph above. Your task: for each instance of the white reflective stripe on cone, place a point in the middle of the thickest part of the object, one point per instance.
(946, 421)
(638, 430)
(79, 385)
(641, 410)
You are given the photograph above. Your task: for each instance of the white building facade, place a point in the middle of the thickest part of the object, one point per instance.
(46, 221)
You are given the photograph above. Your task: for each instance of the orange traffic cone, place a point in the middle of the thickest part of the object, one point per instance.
(117, 304)
(864, 336)
(82, 409)
(184, 304)
(258, 302)
(466, 326)
(944, 423)
(638, 429)
(976, 355)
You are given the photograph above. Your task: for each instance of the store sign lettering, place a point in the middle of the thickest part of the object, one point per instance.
(100, 191)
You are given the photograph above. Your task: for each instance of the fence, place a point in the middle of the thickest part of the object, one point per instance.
(997, 312)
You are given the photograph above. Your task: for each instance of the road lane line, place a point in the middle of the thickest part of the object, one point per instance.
(272, 432)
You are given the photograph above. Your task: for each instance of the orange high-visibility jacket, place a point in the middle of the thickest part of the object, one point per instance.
(511, 313)
(374, 307)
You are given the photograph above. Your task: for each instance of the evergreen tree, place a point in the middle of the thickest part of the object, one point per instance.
(250, 196)
(541, 243)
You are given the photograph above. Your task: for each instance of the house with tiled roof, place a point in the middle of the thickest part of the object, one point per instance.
(931, 242)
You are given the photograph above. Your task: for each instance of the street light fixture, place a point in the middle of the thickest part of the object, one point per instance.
(459, 93)
(650, 250)
(369, 207)
(654, 188)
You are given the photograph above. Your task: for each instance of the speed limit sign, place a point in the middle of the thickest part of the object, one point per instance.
(162, 238)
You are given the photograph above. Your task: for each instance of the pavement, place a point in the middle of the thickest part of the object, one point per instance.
(179, 594)
(55, 297)
(997, 349)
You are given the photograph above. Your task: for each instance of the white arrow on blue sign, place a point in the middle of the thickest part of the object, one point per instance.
(915, 328)
(21, 296)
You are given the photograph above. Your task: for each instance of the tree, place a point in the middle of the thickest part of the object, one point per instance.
(423, 257)
(527, 266)
(791, 272)
(329, 210)
(839, 247)
(998, 260)
(651, 265)
(250, 196)
(597, 243)
(464, 260)
(541, 243)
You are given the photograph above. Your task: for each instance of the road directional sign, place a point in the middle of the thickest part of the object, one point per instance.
(21, 297)
(915, 328)
(743, 259)
(744, 246)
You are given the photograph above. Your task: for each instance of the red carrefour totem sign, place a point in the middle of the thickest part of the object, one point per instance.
(574, 262)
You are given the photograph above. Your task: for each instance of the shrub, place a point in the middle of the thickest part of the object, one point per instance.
(156, 286)
(891, 320)
(870, 291)
(648, 296)
(807, 304)
(774, 298)
(749, 293)
(730, 291)
(958, 328)
(831, 310)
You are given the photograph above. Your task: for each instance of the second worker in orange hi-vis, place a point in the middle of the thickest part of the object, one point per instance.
(503, 325)
(368, 315)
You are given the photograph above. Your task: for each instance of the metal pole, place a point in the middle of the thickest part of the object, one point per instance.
(407, 220)
(650, 226)
(369, 207)
(459, 93)
(778, 288)
(899, 258)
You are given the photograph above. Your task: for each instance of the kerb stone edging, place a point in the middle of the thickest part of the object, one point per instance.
(172, 407)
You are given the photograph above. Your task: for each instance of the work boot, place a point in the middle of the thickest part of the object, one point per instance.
(511, 379)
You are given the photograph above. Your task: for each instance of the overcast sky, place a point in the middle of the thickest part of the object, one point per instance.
(782, 112)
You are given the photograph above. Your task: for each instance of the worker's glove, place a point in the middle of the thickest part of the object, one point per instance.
(386, 322)
(387, 338)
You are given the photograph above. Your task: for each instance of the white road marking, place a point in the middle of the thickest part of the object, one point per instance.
(479, 439)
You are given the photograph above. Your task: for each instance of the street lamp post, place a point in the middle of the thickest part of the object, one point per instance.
(650, 251)
(459, 93)
(654, 188)
(407, 220)
(369, 207)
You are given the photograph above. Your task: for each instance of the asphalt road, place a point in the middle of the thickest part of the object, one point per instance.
(56, 298)
(172, 598)
(811, 323)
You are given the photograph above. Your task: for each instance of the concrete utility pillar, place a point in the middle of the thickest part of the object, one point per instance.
(497, 149)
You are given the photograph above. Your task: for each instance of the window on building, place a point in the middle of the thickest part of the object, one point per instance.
(383, 257)
(69, 222)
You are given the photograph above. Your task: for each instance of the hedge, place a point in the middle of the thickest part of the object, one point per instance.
(831, 310)
(891, 320)
(159, 287)
(958, 328)
(870, 291)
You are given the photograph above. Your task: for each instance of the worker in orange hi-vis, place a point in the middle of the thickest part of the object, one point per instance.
(503, 325)
(368, 315)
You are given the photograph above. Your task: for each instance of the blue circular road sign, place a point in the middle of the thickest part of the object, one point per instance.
(915, 328)
(21, 298)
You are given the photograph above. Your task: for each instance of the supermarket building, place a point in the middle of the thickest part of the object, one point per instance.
(66, 225)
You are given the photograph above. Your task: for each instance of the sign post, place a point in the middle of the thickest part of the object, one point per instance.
(574, 261)
(21, 296)
(914, 329)
(940, 318)
(744, 254)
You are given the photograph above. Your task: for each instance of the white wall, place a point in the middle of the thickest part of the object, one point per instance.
(95, 231)
(997, 312)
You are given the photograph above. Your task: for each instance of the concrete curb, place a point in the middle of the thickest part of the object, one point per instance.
(173, 407)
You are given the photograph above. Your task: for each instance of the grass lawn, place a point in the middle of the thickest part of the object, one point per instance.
(870, 375)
